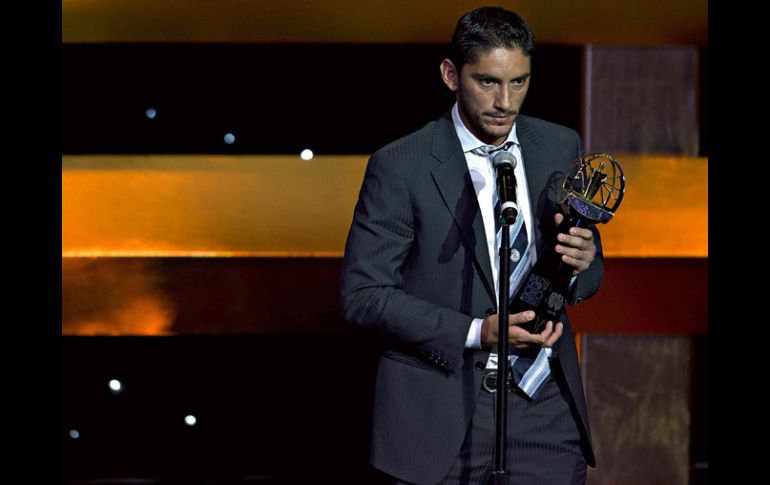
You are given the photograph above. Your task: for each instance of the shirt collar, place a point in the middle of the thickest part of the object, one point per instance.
(468, 140)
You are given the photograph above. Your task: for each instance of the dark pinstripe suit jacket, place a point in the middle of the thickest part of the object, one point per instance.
(417, 270)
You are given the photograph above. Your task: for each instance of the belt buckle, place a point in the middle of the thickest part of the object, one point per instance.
(489, 382)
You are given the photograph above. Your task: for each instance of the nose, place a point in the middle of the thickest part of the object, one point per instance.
(503, 99)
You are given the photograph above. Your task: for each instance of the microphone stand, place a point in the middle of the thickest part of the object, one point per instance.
(500, 472)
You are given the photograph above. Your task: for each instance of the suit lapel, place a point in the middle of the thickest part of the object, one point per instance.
(456, 188)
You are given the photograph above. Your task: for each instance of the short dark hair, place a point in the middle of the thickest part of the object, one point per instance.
(484, 28)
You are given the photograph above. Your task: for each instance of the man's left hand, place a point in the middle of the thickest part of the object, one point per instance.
(576, 248)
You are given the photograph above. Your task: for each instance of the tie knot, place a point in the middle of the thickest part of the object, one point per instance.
(489, 150)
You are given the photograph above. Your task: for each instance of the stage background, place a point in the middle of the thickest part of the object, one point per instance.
(202, 270)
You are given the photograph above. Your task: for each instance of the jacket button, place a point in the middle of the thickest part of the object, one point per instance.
(479, 365)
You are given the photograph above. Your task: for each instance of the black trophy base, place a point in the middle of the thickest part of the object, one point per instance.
(546, 286)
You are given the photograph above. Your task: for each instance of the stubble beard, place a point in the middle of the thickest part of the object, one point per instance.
(483, 131)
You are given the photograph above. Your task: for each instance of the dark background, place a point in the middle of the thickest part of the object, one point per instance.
(275, 99)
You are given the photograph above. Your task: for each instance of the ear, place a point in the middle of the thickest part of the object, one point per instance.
(449, 75)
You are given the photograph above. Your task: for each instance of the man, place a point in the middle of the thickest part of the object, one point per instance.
(421, 265)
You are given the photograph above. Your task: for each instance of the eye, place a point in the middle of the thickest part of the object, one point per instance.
(521, 81)
(487, 82)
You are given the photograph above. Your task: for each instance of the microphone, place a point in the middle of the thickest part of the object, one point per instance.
(504, 162)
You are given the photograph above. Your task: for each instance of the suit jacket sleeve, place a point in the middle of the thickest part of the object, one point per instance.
(380, 240)
(589, 281)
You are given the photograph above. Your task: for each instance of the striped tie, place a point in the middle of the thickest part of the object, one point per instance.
(529, 368)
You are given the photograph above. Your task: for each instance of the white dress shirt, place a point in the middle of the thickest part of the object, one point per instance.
(484, 183)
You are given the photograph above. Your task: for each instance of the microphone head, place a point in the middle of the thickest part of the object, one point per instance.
(503, 158)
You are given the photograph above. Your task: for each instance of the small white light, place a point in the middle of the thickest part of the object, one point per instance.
(229, 138)
(74, 434)
(151, 113)
(116, 386)
(306, 154)
(190, 420)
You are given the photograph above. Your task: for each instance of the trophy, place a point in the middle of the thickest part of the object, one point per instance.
(591, 192)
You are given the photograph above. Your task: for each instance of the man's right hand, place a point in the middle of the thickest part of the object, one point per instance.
(517, 336)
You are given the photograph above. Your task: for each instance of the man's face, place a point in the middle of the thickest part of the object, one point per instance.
(490, 91)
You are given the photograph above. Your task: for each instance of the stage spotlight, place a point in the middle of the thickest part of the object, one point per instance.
(116, 386)
(307, 154)
(74, 434)
(151, 113)
(190, 420)
(229, 138)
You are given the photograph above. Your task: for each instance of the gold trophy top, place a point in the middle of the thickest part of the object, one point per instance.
(594, 187)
